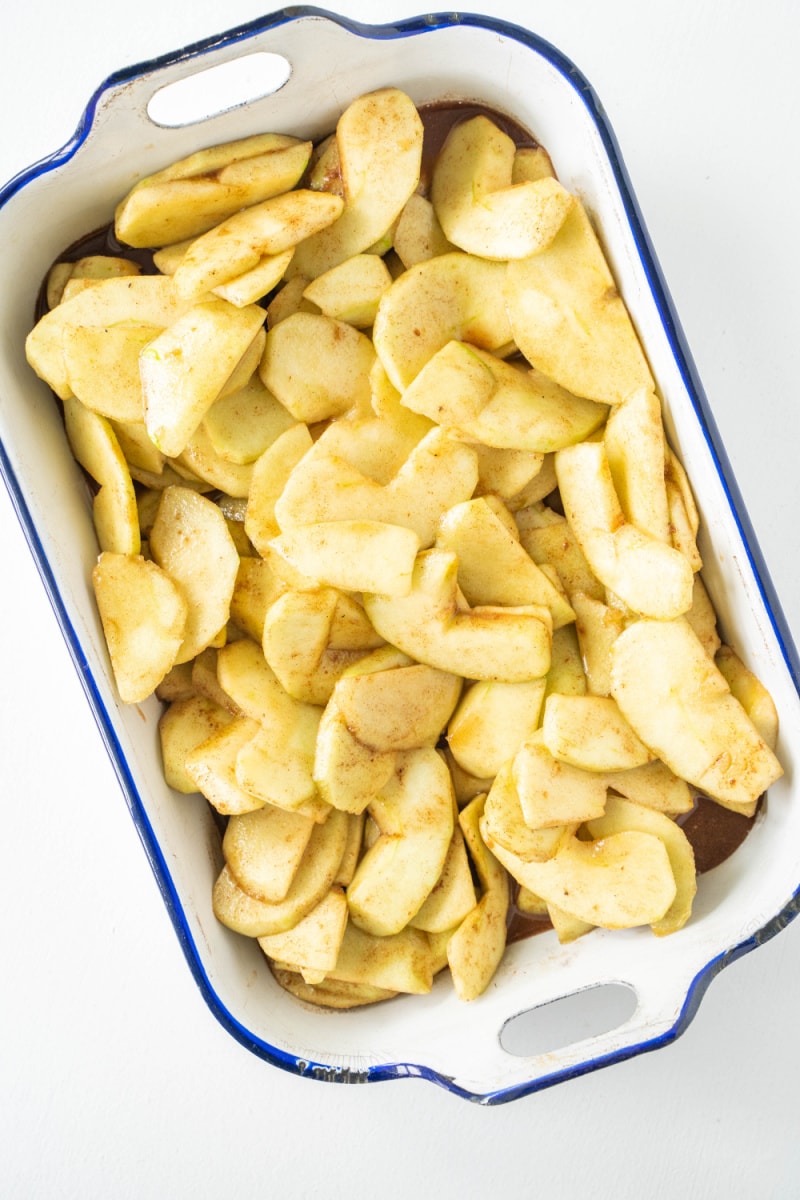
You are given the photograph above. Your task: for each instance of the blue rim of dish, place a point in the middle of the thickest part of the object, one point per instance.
(412, 27)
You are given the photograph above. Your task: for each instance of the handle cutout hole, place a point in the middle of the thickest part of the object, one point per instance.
(570, 1019)
(218, 89)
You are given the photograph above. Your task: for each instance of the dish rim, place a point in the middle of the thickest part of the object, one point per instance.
(411, 27)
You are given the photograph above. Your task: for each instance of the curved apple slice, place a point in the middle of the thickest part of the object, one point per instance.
(324, 384)
(313, 945)
(239, 244)
(263, 850)
(403, 962)
(617, 882)
(234, 907)
(97, 449)
(330, 484)
(621, 815)
(401, 708)
(491, 723)
(298, 630)
(751, 694)
(493, 568)
(569, 320)
(681, 705)
(553, 793)
(414, 813)
(141, 299)
(590, 732)
(485, 399)
(185, 368)
(487, 642)
(475, 949)
(358, 555)
(194, 194)
(184, 521)
(505, 822)
(453, 296)
(478, 206)
(348, 773)
(379, 141)
(651, 577)
(144, 616)
(453, 896)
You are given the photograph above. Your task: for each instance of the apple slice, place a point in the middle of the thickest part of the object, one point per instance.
(327, 486)
(598, 626)
(144, 616)
(241, 425)
(276, 764)
(554, 793)
(263, 850)
(484, 399)
(185, 368)
(348, 774)
(414, 813)
(569, 320)
(531, 163)
(271, 473)
(195, 193)
(651, 577)
(402, 708)
(96, 448)
(452, 297)
(211, 766)
(186, 520)
(493, 568)
(453, 896)
(621, 815)
(591, 732)
(312, 880)
(475, 949)
(146, 299)
(401, 962)
(491, 722)
(238, 246)
(102, 365)
(200, 457)
(418, 235)
(637, 457)
(488, 642)
(327, 383)
(298, 630)
(751, 694)
(479, 208)
(92, 266)
(183, 726)
(566, 676)
(328, 993)
(681, 705)
(314, 943)
(654, 786)
(351, 290)
(617, 882)
(368, 556)
(504, 821)
(379, 143)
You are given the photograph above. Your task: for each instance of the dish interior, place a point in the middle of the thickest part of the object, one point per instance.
(74, 193)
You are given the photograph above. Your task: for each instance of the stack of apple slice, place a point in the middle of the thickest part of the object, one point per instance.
(389, 522)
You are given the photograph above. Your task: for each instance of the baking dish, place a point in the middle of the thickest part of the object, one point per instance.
(740, 903)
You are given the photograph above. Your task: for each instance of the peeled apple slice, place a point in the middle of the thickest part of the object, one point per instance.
(681, 706)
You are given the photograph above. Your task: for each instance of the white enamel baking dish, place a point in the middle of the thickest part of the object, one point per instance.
(740, 903)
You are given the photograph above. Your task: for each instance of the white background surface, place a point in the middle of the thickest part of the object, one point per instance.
(115, 1081)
